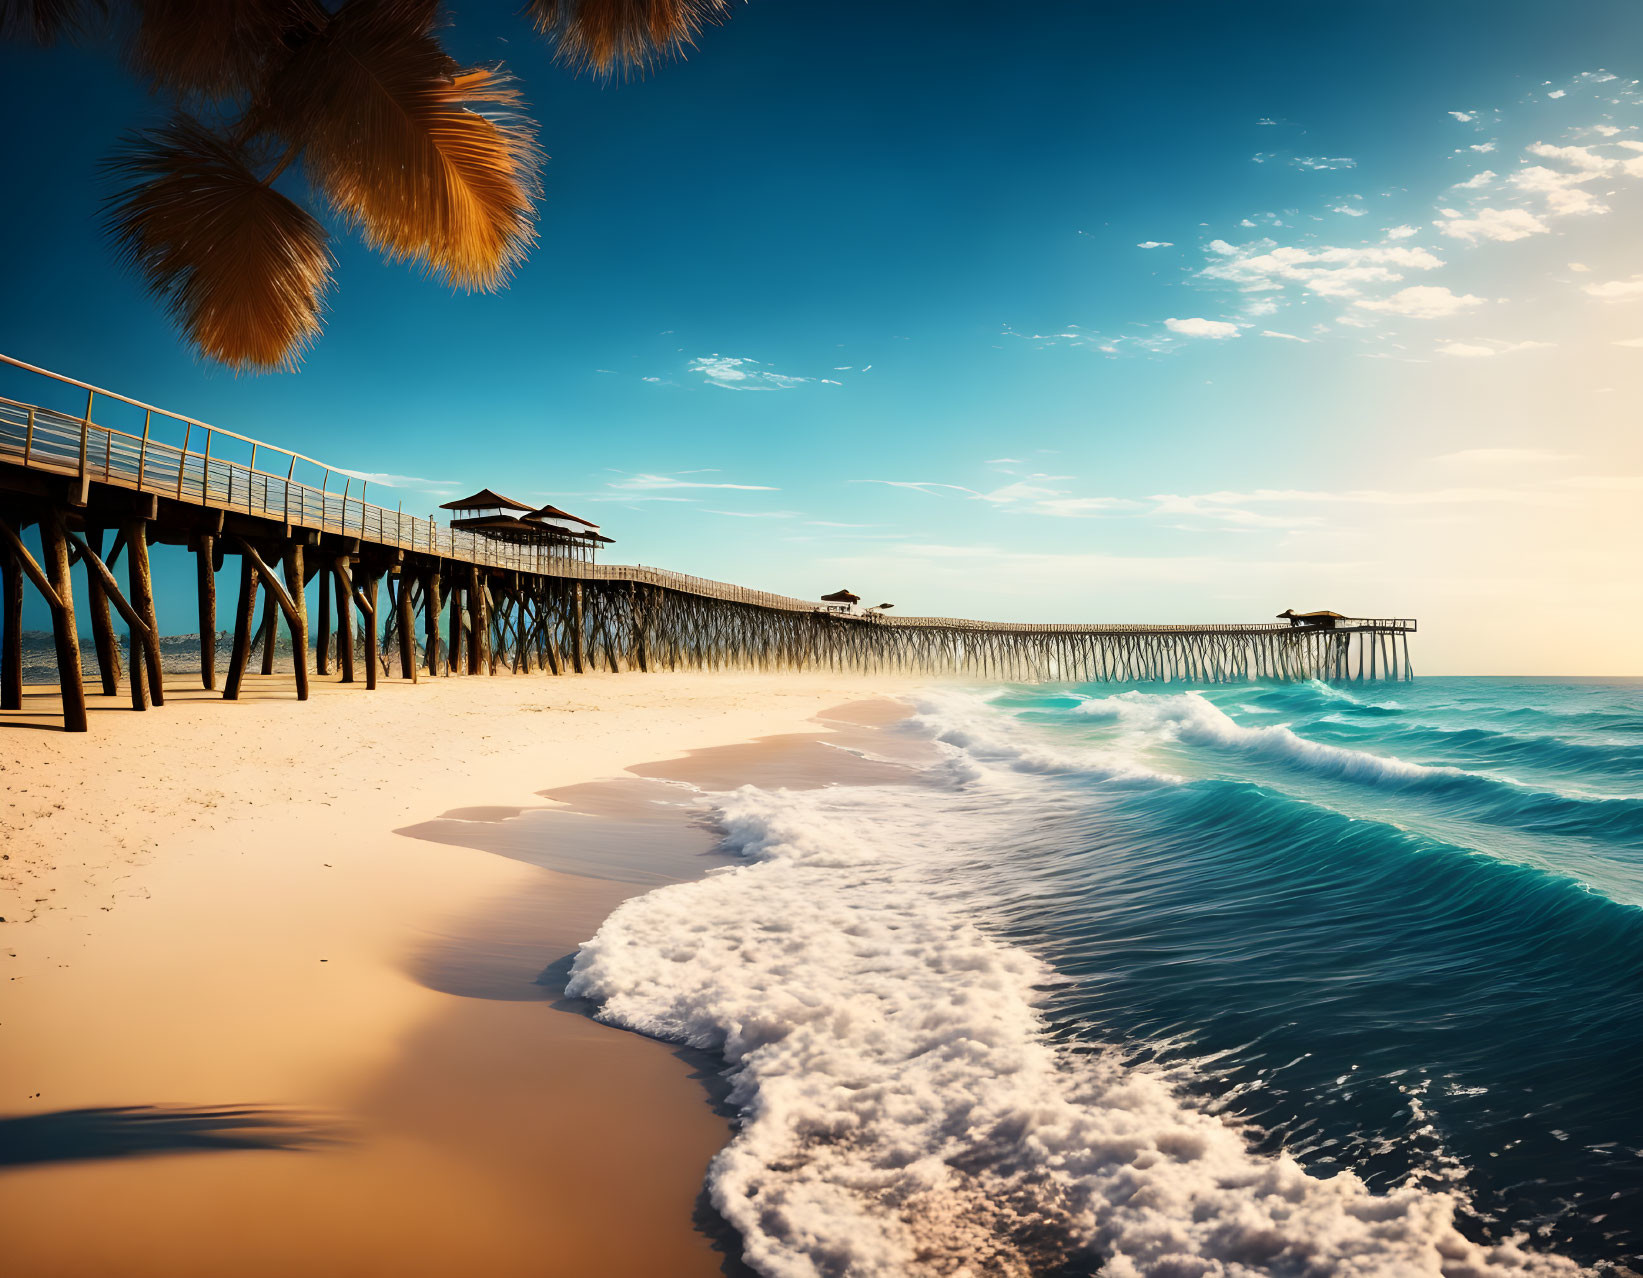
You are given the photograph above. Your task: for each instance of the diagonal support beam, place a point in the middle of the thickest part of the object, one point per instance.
(31, 568)
(269, 580)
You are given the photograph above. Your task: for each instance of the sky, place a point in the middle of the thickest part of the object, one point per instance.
(1082, 312)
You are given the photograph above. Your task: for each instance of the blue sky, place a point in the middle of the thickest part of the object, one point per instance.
(860, 297)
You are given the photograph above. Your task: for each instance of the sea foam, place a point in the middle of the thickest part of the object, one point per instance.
(903, 1108)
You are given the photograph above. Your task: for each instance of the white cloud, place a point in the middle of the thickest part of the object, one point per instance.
(1503, 225)
(1324, 162)
(387, 480)
(643, 482)
(1465, 117)
(1263, 266)
(1347, 209)
(1579, 157)
(736, 372)
(1476, 181)
(1482, 148)
(1199, 327)
(1630, 341)
(1617, 290)
(1400, 232)
(1421, 301)
(1288, 337)
(1579, 266)
(1474, 350)
(1152, 244)
(1561, 191)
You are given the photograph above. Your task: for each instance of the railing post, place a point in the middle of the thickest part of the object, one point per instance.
(142, 456)
(84, 494)
(290, 470)
(182, 462)
(28, 439)
(205, 474)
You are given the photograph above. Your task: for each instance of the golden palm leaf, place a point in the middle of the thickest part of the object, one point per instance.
(216, 47)
(46, 21)
(386, 122)
(626, 35)
(239, 265)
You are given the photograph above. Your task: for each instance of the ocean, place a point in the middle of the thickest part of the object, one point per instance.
(1258, 979)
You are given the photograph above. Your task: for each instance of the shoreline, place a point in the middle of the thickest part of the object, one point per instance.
(274, 949)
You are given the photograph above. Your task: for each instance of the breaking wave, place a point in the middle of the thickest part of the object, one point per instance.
(931, 1073)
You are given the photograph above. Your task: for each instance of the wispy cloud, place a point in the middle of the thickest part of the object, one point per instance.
(1200, 327)
(1421, 301)
(435, 486)
(644, 482)
(737, 372)
(1486, 350)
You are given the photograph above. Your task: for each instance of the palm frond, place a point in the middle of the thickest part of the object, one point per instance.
(215, 47)
(607, 36)
(241, 267)
(389, 129)
(47, 21)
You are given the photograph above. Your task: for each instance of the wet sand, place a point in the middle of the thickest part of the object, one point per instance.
(282, 984)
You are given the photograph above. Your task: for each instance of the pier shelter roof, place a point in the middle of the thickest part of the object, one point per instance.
(553, 513)
(485, 499)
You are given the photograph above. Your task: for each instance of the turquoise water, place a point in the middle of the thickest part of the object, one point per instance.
(1257, 981)
(1395, 929)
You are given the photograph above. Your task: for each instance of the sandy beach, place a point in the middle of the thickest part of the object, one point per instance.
(283, 981)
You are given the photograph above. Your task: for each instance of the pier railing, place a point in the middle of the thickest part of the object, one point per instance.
(223, 470)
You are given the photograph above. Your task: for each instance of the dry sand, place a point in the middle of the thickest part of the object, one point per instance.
(321, 941)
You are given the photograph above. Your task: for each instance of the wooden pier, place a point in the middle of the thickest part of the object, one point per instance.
(399, 592)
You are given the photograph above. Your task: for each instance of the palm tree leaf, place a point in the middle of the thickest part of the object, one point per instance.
(389, 130)
(47, 21)
(605, 36)
(216, 47)
(241, 267)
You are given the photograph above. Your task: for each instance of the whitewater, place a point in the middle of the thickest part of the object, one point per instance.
(1267, 981)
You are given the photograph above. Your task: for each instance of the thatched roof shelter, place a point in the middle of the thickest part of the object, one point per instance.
(841, 596)
(552, 514)
(1322, 617)
(485, 499)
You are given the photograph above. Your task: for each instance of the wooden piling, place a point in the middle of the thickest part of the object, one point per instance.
(11, 627)
(102, 626)
(345, 619)
(431, 607)
(372, 629)
(476, 624)
(245, 612)
(576, 652)
(453, 655)
(407, 623)
(205, 561)
(65, 636)
(268, 632)
(141, 595)
(295, 586)
(322, 640)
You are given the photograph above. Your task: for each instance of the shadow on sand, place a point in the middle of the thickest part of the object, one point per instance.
(128, 1131)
